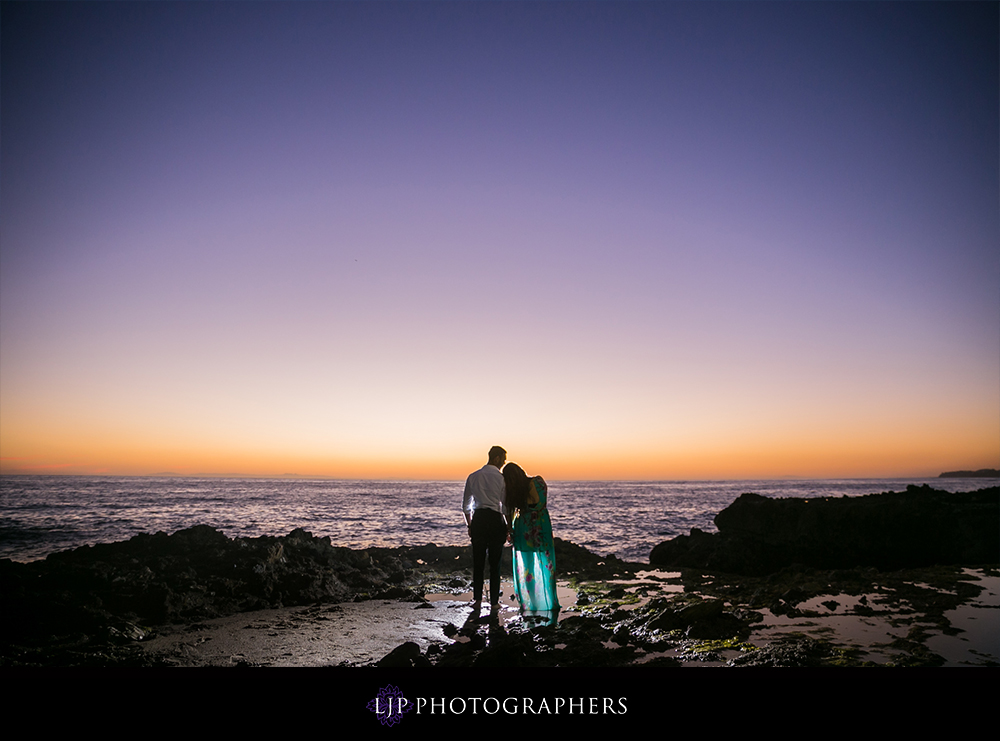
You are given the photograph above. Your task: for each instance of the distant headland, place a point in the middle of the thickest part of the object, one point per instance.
(982, 473)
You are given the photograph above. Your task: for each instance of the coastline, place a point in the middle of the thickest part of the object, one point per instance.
(875, 628)
(46, 514)
(199, 598)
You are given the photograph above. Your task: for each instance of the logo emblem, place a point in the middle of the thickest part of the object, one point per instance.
(389, 705)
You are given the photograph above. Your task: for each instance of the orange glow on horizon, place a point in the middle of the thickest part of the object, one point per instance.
(806, 458)
(705, 444)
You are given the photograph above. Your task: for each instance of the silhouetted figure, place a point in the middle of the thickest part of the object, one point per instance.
(483, 505)
(534, 549)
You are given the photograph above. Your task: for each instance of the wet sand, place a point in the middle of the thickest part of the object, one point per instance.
(362, 633)
(351, 634)
(348, 634)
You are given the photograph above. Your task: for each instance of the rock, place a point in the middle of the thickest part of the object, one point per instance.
(892, 530)
(107, 594)
(505, 650)
(703, 619)
(800, 651)
(404, 655)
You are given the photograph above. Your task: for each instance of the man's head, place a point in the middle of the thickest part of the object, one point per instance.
(498, 456)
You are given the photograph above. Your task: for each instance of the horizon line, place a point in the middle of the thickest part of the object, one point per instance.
(304, 477)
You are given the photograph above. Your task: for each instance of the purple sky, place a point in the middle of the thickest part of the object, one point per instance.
(620, 239)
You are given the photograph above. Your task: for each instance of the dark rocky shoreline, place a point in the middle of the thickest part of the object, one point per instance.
(96, 605)
(893, 530)
(89, 605)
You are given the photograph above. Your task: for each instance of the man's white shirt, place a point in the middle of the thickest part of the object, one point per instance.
(484, 489)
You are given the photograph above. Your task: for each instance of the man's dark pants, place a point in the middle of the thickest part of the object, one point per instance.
(489, 533)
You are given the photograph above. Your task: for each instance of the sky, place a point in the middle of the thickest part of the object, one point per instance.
(633, 240)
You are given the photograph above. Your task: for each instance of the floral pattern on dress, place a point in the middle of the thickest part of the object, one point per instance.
(534, 554)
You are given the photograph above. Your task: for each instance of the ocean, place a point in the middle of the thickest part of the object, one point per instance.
(40, 515)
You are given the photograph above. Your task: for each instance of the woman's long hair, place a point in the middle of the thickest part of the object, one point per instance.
(518, 485)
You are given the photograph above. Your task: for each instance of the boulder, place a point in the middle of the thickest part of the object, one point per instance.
(893, 530)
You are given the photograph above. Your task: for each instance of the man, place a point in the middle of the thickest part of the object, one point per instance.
(483, 505)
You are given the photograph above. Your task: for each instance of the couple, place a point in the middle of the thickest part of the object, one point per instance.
(511, 507)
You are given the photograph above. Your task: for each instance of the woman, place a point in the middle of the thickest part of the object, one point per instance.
(534, 552)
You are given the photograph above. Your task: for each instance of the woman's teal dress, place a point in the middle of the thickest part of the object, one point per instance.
(535, 555)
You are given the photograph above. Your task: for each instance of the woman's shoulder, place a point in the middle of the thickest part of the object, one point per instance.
(539, 483)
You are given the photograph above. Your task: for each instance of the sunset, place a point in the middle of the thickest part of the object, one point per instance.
(664, 241)
(326, 306)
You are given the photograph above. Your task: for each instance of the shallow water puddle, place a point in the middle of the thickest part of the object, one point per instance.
(862, 634)
(509, 612)
(979, 620)
(870, 623)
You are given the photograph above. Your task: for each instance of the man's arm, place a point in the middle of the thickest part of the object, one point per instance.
(466, 506)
